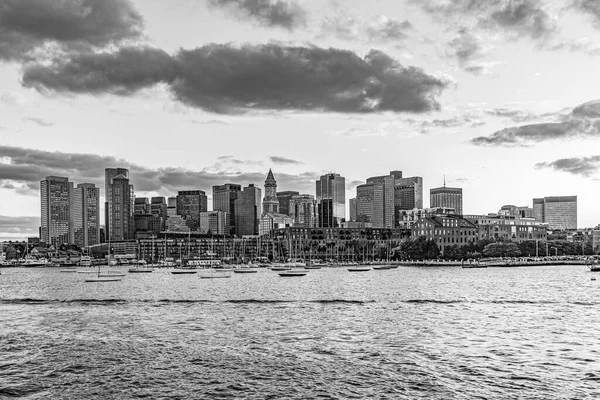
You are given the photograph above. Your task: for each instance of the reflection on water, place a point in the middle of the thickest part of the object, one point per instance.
(407, 333)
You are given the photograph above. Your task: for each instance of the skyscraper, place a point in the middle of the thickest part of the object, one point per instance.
(247, 211)
(353, 213)
(383, 200)
(224, 197)
(270, 202)
(331, 200)
(85, 214)
(446, 197)
(284, 201)
(190, 203)
(119, 204)
(303, 210)
(558, 212)
(55, 193)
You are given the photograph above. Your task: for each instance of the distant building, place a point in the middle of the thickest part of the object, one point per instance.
(55, 193)
(331, 200)
(190, 203)
(303, 210)
(224, 197)
(119, 205)
(270, 221)
(560, 212)
(408, 192)
(410, 217)
(213, 221)
(159, 208)
(85, 214)
(171, 206)
(176, 223)
(270, 202)
(247, 209)
(522, 212)
(446, 230)
(448, 197)
(284, 201)
(352, 205)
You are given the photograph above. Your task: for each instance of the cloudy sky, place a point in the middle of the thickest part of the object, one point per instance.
(500, 96)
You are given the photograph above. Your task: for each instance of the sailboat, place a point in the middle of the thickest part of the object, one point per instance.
(105, 277)
(213, 273)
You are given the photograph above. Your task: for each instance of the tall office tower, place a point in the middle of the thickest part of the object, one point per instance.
(383, 200)
(85, 212)
(158, 208)
(408, 194)
(141, 206)
(303, 210)
(171, 206)
(284, 201)
(446, 197)
(331, 200)
(213, 221)
(119, 205)
(224, 197)
(364, 203)
(56, 227)
(270, 202)
(247, 211)
(190, 203)
(352, 204)
(558, 212)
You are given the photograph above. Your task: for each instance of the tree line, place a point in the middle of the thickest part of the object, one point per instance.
(421, 248)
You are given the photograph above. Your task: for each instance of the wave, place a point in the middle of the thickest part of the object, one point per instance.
(32, 301)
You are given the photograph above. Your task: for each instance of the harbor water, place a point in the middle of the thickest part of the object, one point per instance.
(406, 333)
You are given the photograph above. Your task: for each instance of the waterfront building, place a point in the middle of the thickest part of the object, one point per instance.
(409, 217)
(559, 212)
(270, 221)
(190, 203)
(353, 209)
(85, 215)
(331, 200)
(119, 199)
(270, 202)
(446, 230)
(508, 227)
(214, 222)
(284, 201)
(447, 197)
(303, 210)
(224, 197)
(56, 227)
(147, 225)
(247, 211)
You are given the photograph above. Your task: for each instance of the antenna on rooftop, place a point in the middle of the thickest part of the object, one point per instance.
(444, 180)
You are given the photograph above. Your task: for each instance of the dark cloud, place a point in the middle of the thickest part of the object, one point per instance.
(27, 167)
(515, 18)
(29, 24)
(582, 121)
(276, 13)
(19, 226)
(590, 7)
(229, 79)
(582, 166)
(123, 72)
(39, 121)
(283, 160)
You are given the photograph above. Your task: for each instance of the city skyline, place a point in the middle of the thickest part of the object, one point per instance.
(487, 106)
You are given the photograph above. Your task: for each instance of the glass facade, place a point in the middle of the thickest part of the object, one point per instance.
(86, 215)
(190, 203)
(447, 197)
(224, 197)
(331, 200)
(56, 227)
(247, 211)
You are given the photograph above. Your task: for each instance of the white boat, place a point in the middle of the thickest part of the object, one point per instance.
(140, 268)
(29, 261)
(85, 261)
(184, 271)
(215, 275)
